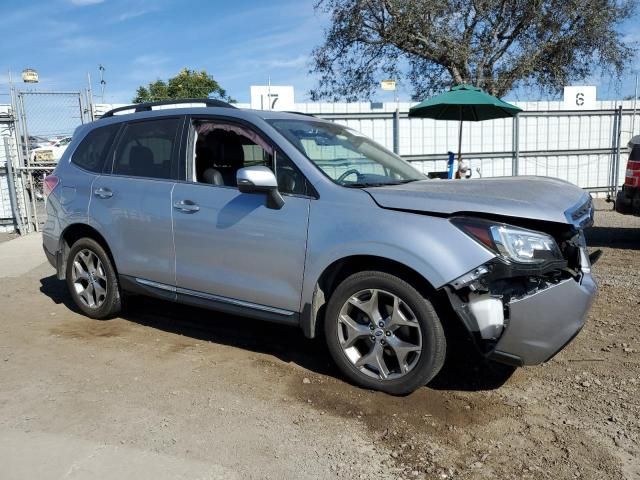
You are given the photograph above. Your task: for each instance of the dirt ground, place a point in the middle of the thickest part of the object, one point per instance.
(175, 392)
(5, 237)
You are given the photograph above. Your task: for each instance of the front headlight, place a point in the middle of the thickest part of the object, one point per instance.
(525, 246)
(513, 243)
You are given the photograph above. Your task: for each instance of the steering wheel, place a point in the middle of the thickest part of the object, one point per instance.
(351, 171)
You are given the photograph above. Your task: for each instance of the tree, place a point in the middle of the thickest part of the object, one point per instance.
(496, 45)
(187, 84)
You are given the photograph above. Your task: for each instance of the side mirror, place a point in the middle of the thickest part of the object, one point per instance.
(260, 179)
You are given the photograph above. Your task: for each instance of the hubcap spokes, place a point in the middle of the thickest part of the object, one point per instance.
(379, 334)
(89, 278)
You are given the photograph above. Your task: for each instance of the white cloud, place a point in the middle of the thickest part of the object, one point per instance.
(295, 62)
(147, 68)
(132, 14)
(150, 60)
(81, 42)
(84, 3)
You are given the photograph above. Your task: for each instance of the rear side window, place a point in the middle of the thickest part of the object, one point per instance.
(147, 149)
(92, 151)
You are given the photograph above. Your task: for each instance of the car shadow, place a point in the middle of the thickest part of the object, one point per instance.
(237, 209)
(462, 371)
(468, 371)
(57, 291)
(613, 237)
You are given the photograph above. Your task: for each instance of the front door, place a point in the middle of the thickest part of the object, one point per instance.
(229, 246)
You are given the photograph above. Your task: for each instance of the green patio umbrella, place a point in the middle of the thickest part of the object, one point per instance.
(464, 103)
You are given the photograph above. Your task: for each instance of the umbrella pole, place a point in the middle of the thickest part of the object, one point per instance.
(460, 144)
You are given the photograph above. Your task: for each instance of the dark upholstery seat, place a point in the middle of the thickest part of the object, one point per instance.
(287, 180)
(228, 155)
(212, 176)
(141, 161)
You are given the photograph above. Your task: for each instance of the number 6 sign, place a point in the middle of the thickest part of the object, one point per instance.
(580, 97)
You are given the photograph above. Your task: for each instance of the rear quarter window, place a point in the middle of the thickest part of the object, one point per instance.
(92, 151)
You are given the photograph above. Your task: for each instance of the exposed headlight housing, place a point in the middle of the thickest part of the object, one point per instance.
(514, 244)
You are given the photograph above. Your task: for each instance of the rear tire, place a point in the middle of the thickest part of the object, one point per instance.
(92, 280)
(383, 334)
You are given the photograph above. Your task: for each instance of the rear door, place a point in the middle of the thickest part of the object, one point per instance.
(131, 206)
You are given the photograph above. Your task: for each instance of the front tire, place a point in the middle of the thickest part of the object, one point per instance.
(92, 280)
(383, 334)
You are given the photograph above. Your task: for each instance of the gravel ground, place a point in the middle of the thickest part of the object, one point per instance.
(243, 399)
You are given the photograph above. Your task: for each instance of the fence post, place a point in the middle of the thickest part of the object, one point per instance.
(32, 191)
(13, 199)
(81, 107)
(515, 141)
(612, 162)
(396, 131)
(89, 95)
(20, 136)
(617, 153)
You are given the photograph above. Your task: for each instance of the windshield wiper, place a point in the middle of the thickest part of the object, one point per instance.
(361, 185)
(378, 184)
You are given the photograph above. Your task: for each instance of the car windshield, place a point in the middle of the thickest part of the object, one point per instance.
(346, 156)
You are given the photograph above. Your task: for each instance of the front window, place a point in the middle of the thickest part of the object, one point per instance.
(221, 149)
(346, 156)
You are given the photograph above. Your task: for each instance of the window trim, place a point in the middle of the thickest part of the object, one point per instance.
(175, 149)
(186, 165)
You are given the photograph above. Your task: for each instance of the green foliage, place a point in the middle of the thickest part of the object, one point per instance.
(187, 84)
(497, 45)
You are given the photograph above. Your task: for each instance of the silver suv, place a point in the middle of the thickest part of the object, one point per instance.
(292, 219)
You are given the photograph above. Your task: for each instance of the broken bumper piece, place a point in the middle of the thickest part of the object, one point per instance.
(543, 323)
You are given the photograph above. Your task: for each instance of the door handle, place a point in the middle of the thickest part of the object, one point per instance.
(103, 192)
(186, 206)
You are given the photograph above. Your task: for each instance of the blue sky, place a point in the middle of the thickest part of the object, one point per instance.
(241, 43)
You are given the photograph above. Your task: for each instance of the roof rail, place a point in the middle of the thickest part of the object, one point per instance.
(145, 107)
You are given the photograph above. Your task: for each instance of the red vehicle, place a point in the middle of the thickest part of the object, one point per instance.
(628, 199)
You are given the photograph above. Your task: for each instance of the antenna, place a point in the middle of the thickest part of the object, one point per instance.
(103, 83)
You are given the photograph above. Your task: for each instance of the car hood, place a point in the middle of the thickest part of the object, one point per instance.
(536, 198)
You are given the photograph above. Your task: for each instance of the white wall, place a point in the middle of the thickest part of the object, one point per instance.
(5, 205)
(6, 211)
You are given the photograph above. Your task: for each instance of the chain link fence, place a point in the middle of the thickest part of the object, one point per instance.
(44, 124)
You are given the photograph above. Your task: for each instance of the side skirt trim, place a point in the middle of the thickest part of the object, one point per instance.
(207, 300)
(233, 301)
(161, 286)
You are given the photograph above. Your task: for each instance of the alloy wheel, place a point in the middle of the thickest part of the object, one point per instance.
(379, 334)
(89, 278)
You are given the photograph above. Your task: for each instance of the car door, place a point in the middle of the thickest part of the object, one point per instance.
(230, 247)
(131, 205)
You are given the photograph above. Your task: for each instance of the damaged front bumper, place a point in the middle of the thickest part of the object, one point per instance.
(542, 324)
(526, 328)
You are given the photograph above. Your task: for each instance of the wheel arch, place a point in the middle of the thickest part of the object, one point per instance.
(72, 234)
(313, 312)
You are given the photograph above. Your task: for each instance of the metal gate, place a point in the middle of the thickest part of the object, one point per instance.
(45, 123)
